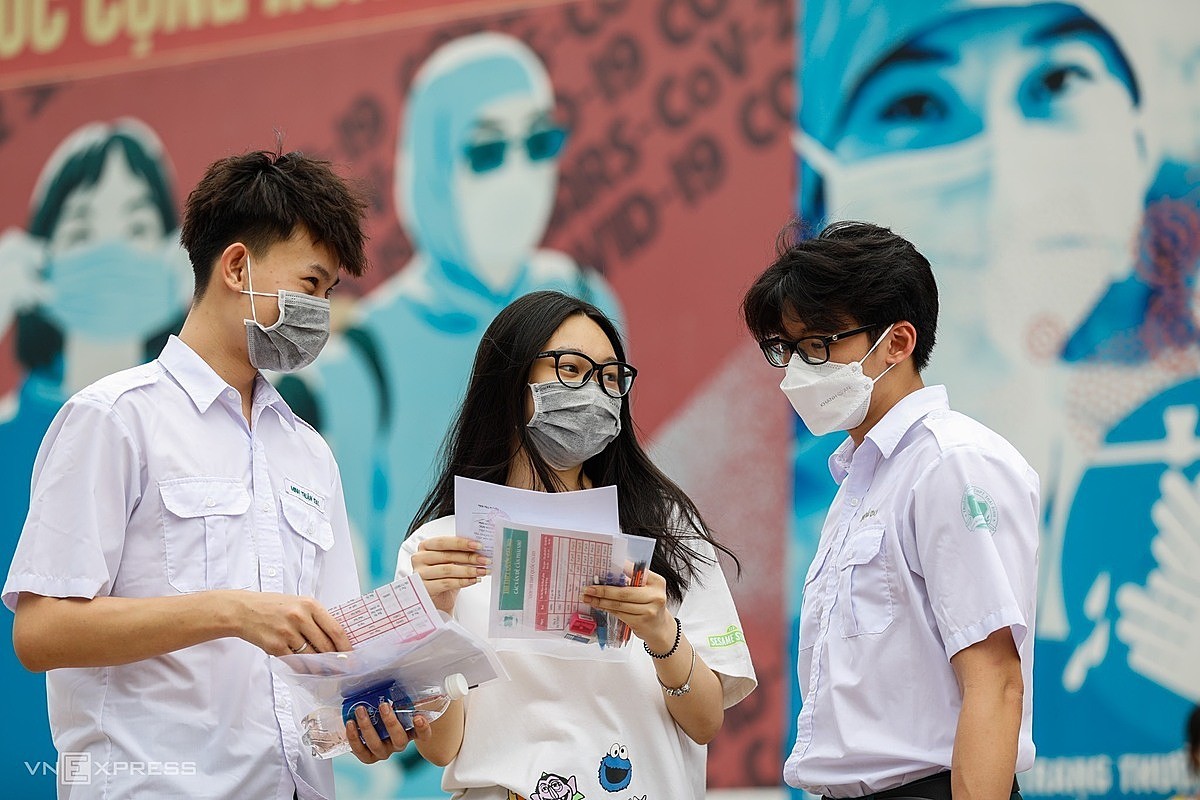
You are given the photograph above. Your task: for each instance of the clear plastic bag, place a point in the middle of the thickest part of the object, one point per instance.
(530, 613)
(324, 728)
(420, 678)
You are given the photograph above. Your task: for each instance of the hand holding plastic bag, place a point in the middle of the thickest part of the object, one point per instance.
(417, 678)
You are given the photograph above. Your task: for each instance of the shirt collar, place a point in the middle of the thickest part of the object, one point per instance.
(265, 394)
(889, 431)
(204, 386)
(912, 408)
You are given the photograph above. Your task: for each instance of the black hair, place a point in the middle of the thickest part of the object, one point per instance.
(851, 274)
(260, 198)
(38, 340)
(489, 434)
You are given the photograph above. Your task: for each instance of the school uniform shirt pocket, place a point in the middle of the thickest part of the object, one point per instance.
(866, 585)
(811, 601)
(305, 518)
(206, 544)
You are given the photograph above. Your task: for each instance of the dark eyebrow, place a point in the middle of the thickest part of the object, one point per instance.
(490, 124)
(141, 201)
(1073, 26)
(907, 53)
(324, 273)
(569, 348)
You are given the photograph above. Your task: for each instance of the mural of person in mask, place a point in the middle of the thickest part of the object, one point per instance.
(476, 175)
(1010, 142)
(475, 182)
(100, 282)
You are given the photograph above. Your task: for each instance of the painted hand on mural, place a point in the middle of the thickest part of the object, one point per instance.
(21, 259)
(1160, 622)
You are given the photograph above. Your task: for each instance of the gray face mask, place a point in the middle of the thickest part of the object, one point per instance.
(294, 341)
(569, 426)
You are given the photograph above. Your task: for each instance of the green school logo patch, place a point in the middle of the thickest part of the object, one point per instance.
(731, 636)
(978, 509)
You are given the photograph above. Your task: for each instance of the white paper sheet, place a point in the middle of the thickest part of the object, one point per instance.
(402, 607)
(481, 509)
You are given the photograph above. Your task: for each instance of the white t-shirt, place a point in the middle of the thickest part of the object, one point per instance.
(599, 726)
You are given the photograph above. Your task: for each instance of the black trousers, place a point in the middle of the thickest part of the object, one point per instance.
(934, 787)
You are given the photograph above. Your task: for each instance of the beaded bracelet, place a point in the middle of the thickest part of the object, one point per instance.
(674, 647)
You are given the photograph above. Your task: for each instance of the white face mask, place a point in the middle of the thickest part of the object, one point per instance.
(1025, 224)
(830, 397)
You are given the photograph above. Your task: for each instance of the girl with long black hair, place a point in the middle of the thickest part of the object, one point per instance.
(547, 409)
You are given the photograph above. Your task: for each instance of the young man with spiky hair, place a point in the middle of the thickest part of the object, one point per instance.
(916, 631)
(185, 525)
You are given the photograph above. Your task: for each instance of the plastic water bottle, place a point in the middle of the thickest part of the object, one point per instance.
(325, 727)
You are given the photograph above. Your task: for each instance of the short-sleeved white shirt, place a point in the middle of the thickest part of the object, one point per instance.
(563, 717)
(930, 546)
(150, 483)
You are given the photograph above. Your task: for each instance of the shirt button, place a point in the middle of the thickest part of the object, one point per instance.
(265, 506)
(232, 395)
(208, 501)
(272, 572)
(853, 502)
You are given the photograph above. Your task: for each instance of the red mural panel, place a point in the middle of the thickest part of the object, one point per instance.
(675, 179)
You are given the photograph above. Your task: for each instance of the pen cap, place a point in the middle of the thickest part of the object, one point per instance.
(456, 686)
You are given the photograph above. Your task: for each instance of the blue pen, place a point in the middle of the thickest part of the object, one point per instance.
(601, 618)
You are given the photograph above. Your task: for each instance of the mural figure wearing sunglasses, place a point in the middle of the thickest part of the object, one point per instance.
(475, 180)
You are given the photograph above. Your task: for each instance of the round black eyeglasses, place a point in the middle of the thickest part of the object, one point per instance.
(574, 370)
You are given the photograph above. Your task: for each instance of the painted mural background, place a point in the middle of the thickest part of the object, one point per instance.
(1044, 156)
(634, 153)
(643, 154)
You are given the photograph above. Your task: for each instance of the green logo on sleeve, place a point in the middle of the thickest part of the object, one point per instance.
(978, 509)
(731, 636)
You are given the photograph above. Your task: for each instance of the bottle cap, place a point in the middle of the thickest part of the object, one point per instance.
(456, 686)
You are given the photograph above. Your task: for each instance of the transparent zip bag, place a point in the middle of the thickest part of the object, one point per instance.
(419, 678)
(536, 583)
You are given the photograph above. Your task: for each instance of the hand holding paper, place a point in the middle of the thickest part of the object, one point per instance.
(447, 564)
(642, 608)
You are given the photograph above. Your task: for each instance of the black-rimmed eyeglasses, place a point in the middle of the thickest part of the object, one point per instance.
(574, 370)
(811, 349)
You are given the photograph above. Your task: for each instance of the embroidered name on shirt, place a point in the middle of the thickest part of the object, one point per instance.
(732, 636)
(874, 512)
(311, 498)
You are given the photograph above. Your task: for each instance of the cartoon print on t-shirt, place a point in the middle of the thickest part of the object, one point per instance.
(556, 787)
(616, 770)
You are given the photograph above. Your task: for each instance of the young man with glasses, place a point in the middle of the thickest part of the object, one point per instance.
(916, 649)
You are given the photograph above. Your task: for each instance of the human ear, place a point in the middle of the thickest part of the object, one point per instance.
(231, 267)
(901, 342)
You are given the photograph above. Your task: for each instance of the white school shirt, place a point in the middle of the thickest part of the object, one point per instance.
(584, 722)
(149, 483)
(930, 546)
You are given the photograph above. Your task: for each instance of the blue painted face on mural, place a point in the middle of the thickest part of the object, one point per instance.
(111, 275)
(616, 770)
(943, 137)
(1009, 143)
